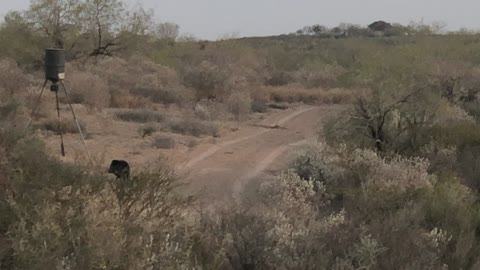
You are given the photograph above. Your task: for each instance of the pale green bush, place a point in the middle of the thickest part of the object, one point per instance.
(275, 231)
(319, 162)
(398, 172)
(202, 112)
(319, 75)
(362, 255)
(310, 164)
(448, 114)
(322, 163)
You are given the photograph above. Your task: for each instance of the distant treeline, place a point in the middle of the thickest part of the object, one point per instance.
(375, 29)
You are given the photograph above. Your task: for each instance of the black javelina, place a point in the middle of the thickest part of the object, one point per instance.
(120, 168)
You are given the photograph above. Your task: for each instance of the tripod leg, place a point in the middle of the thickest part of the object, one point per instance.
(76, 121)
(59, 125)
(35, 106)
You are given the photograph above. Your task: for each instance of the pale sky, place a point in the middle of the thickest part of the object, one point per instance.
(211, 19)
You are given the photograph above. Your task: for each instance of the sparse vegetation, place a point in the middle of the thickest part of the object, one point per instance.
(88, 89)
(192, 127)
(208, 79)
(202, 112)
(140, 116)
(146, 130)
(259, 107)
(64, 126)
(240, 105)
(12, 79)
(162, 142)
(294, 94)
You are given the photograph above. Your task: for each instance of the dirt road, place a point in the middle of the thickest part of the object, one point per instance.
(253, 152)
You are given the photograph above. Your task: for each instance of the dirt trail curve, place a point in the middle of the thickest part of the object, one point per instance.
(254, 151)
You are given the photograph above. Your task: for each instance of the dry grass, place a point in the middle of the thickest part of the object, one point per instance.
(192, 127)
(212, 111)
(88, 89)
(162, 142)
(140, 116)
(127, 83)
(184, 125)
(122, 99)
(259, 107)
(12, 78)
(240, 105)
(65, 126)
(293, 94)
(207, 78)
(319, 75)
(158, 95)
(146, 130)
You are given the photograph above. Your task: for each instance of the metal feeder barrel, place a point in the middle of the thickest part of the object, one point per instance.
(54, 64)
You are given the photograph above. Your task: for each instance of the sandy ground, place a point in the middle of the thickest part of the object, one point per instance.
(216, 167)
